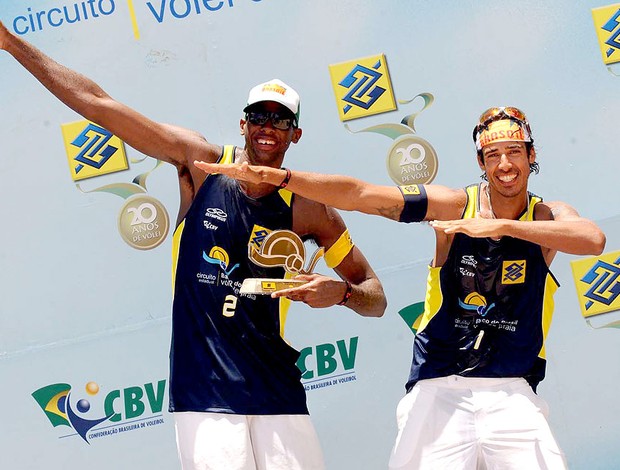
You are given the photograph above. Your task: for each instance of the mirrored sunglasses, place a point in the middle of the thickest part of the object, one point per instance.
(498, 113)
(278, 121)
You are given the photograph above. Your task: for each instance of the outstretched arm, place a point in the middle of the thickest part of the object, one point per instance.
(341, 192)
(563, 230)
(345, 192)
(165, 142)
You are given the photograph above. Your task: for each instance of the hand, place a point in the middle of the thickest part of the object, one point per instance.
(319, 292)
(238, 171)
(477, 228)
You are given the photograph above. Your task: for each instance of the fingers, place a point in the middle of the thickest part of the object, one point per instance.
(294, 293)
(206, 167)
(445, 226)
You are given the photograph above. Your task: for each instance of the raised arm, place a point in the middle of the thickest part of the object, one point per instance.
(165, 142)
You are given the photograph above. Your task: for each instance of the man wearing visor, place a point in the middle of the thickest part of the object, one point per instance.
(478, 354)
(235, 389)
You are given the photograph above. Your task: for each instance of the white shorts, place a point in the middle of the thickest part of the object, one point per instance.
(220, 441)
(474, 423)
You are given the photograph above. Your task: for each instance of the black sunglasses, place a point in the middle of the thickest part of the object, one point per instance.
(278, 121)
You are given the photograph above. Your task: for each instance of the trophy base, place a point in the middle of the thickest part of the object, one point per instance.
(268, 286)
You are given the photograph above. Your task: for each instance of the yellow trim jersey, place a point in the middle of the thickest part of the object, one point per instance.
(487, 309)
(228, 354)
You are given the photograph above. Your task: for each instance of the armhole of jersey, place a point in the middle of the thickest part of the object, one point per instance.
(434, 296)
(551, 286)
(228, 154)
(472, 205)
(286, 196)
(528, 215)
(176, 243)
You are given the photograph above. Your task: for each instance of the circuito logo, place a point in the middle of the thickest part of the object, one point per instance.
(476, 303)
(119, 411)
(34, 20)
(219, 256)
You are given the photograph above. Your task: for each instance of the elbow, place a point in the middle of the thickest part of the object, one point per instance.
(598, 243)
(375, 308)
(380, 311)
(380, 307)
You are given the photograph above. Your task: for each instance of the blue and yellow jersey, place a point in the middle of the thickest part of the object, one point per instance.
(487, 309)
(228, 354)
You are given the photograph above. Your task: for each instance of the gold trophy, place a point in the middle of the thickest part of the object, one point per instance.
(280, 248)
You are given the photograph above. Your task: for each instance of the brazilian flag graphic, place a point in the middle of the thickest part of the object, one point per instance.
(53, 401)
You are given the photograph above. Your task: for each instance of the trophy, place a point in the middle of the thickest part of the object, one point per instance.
(280, 248)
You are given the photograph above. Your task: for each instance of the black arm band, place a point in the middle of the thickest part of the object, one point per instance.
(416, 203)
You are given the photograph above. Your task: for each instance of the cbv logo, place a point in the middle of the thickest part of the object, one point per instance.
(132, 402)
(326, 359)
(76, 409)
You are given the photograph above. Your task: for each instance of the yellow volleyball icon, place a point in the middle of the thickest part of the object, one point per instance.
(475, 299)
(219, 254)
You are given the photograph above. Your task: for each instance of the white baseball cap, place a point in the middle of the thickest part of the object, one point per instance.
(275, 90)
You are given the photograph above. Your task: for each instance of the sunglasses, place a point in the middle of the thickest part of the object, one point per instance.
(502, 112)
(499, 113)
(278, 121)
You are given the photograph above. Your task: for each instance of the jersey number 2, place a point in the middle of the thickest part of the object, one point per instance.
(230, 304)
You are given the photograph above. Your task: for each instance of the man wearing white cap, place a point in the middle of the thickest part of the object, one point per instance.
(235, 388)
(478, 353)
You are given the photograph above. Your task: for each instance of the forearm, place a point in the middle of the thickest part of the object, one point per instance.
(70, 87)
(333, 190)
(339, 191)
(88, 99)
(577, 237)
(367, 298)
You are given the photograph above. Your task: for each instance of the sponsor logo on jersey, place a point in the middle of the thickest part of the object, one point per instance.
(469, 260)
(216, 213)
(513, 272)
(258, 236)
(476, 304)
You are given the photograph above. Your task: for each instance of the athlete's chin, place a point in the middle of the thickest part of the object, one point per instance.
(266, 156)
